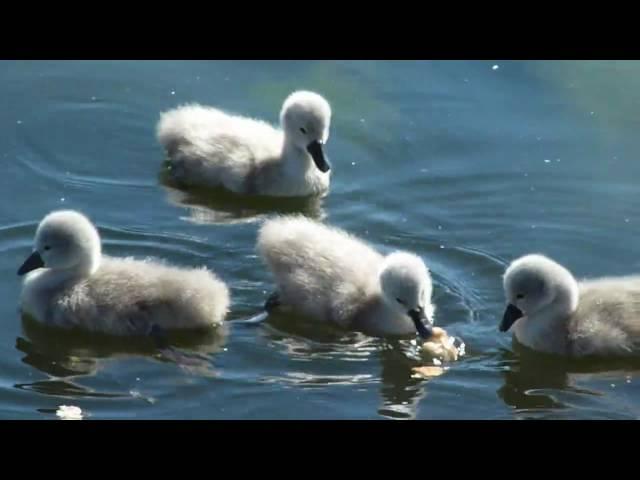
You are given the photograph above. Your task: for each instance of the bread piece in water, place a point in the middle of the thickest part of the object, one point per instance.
(428, 371)
(442, 346)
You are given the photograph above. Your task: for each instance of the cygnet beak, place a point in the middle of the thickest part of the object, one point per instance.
(316, 151)
(511, 314)
(33, 262)
(420, 320)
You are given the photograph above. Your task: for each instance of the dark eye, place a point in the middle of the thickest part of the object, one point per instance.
(47, 247)
(399, 301)
(520, 295)
(303, 130)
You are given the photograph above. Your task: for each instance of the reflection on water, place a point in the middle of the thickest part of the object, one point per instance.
(66, 356)
(306, 341)
(527, 383)
(538, 385)
(401, 391)
(221, 206)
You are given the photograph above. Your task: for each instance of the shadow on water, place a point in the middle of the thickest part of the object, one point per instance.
(66, 355)
(537, 383)
(221, 206)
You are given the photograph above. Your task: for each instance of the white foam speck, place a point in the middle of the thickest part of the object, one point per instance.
(136, 394)
(495, 67)
(69, 412)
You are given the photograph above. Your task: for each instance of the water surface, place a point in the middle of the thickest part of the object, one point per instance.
(466, 164)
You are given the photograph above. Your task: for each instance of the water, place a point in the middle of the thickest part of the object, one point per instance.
(465, 164)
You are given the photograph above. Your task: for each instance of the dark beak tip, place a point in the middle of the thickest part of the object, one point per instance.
(315, 149)
(32, 263)
(425, 329)
(511, 315)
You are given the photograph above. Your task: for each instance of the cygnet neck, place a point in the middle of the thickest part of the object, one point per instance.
(294, 156)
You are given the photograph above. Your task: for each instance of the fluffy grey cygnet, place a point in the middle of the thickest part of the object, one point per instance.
(332, 276)
(69, 283)
(211, 148)
(551, 312)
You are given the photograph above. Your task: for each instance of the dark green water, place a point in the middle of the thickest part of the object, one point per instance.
(466, 165)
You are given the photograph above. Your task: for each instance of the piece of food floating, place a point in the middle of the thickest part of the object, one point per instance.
(440, 347)
(428, 371)
(69, 412)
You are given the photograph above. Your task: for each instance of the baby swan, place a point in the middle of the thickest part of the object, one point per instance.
(331, 276)
(555, 314)
(72, 284)
(210, 148)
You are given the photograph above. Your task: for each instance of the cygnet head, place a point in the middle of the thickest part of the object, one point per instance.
(305, 119)
(407, 288)
(65, 240)
(533, 283)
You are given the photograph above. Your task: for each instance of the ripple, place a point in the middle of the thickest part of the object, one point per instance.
(174, 242)
(17, 236)
(42, 162)
(20, 235)
(306, 380)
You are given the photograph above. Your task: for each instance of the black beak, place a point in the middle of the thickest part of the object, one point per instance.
(420, 320)
(34, 261)
(317, 153)
(511, 314)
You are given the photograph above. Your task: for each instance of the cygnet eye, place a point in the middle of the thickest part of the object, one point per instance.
(399, 301)
(47, 247)
(520, 296)
(303, 130)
